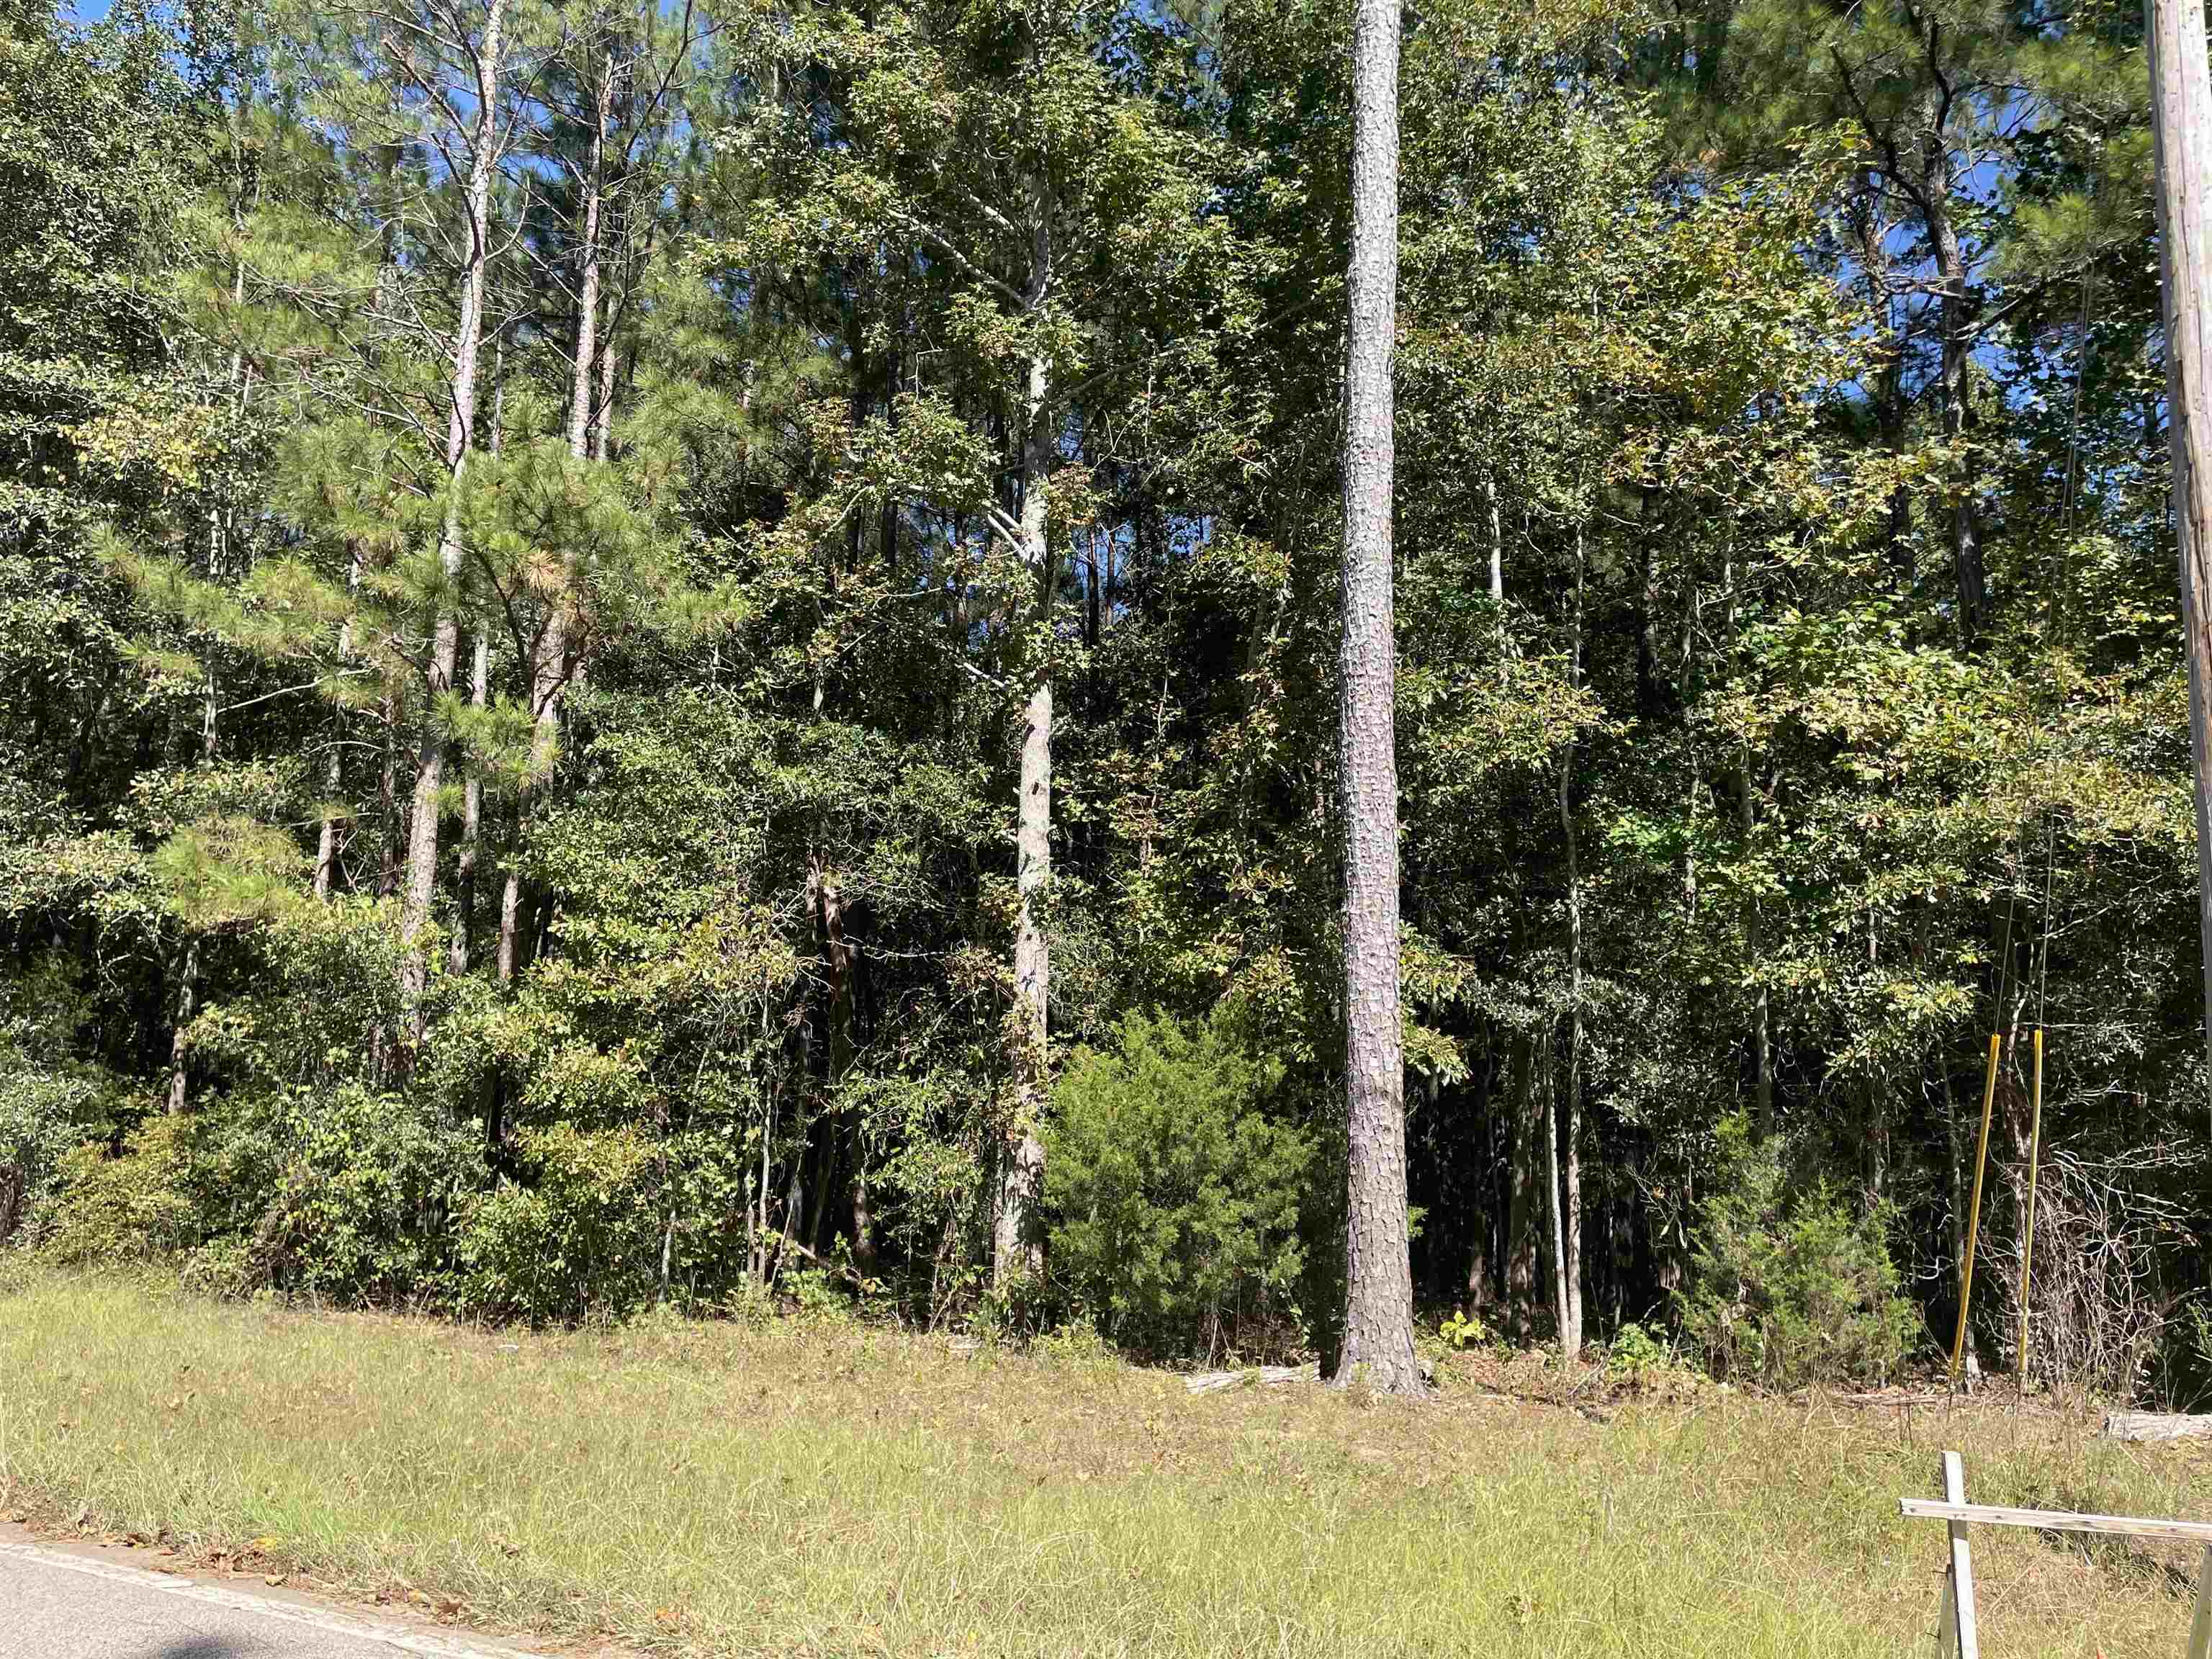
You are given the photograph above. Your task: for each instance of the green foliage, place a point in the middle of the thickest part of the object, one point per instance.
(1174, 1195)
(1638, 1362)
(1461, 1330)
(590, 1225)
(134, 1207)
(229, 869)
(1789, 1286)
(43, 1117)
(1706, 782)
(365, 1188)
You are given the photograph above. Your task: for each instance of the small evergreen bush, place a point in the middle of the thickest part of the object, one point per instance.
(1173, 1196)
(1790, 1286)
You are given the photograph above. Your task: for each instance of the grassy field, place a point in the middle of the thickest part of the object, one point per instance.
(711, 1489)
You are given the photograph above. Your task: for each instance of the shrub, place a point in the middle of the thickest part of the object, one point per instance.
(133, 1208)
(1173, 1197)
(362, 1206)
(1637, 1362)
(42, 1116)
(583, 1237)
(344, 1196)
(1791, 1287)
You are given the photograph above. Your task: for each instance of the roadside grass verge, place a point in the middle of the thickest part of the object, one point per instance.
(712, 1489)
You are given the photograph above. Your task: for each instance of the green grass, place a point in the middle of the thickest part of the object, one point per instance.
(711, 1489)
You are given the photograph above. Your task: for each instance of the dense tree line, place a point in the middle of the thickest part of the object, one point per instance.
(675, 651)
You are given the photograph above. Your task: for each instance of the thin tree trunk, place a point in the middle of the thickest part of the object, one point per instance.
(327, 842)
(2181, 123)
(1555, 1209)
(1014, 1244)
(187, 1000)
(1378, 1314)
(551, 663)
(465, 874)
(1496, 543)
(430, 753)
(1566, 1137)
(391, 822)
(586, 364)
(602, 418)
(1014, 1248)
(188, 976)
(1483, 1135)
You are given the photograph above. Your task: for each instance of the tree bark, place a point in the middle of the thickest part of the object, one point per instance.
(187, 999)
(2181, 125)
(1378, 1314)
(1014, 1245)
(444, 650)
(586, 367)
(1015, 1249)
(589, 398)
(1497, 544)
(1566, 1135)
(326, 841)
(465, 874)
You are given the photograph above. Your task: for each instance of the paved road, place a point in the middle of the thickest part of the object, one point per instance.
(58, 1605)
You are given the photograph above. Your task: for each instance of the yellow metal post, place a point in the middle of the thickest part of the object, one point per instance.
(2028, 1226)
(1974, 1211)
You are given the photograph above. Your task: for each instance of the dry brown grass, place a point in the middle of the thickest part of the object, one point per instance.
(711, 1489)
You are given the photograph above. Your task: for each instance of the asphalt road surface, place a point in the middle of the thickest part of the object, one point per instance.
(57, 1604)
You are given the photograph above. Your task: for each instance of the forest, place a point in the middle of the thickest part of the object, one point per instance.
(662, 652)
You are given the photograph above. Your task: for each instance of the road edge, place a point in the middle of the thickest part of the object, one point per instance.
(398, 1637)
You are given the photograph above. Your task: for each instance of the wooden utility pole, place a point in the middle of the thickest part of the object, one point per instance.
(1378, 1319)
(2181, 128)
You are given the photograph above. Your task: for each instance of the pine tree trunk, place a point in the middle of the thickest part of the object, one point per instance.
(602, 418)
(464, 873)
(551, 665)
(1378, 1314)
(444, 650)
(2181, 120)
(582, 382)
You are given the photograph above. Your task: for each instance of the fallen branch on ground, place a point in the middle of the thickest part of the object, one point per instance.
(1252, 1376)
